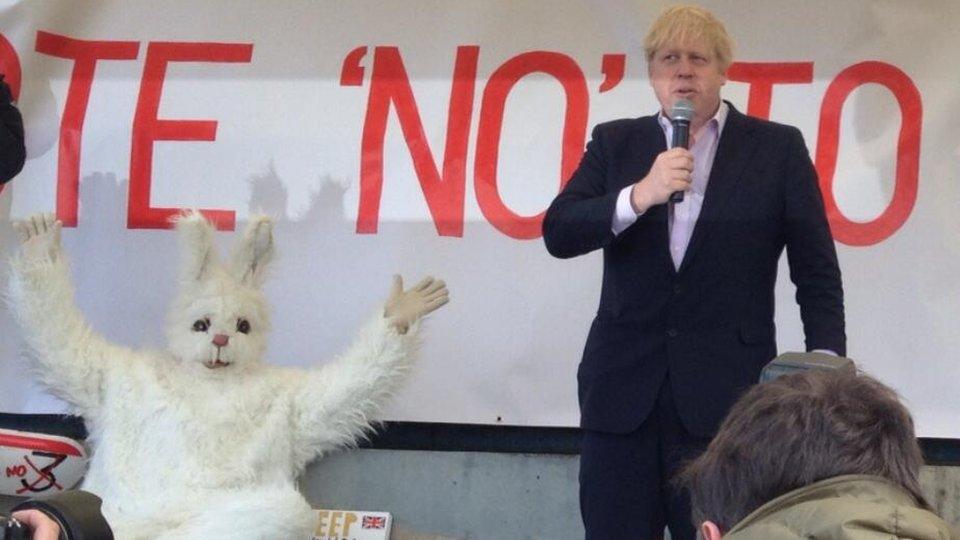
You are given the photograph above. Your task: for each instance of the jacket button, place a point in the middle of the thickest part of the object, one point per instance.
(672, 332)
(677, 289)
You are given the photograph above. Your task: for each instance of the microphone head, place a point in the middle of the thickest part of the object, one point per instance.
(794, 362)
(682, 111)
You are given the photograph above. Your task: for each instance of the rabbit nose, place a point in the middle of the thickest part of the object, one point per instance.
(220, 340)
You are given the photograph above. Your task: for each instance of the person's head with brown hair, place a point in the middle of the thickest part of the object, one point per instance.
(797, 430)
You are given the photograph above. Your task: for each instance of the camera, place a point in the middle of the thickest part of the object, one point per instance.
(77, 513)
(11, 529)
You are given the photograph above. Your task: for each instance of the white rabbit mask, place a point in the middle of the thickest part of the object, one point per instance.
(219, 319)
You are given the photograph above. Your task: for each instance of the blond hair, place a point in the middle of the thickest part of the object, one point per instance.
(687, 24)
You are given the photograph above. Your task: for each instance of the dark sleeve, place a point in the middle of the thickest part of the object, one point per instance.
(811, 253)
(12, 151)
(580, 218)
(77, 512)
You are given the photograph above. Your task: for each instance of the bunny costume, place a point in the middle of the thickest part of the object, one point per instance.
(202, 440)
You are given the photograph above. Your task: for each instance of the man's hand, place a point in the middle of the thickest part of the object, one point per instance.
(39, 237)
(403, 308)
(671, 171)
(42, 525)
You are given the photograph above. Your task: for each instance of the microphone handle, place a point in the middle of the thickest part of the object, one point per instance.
(681, 138)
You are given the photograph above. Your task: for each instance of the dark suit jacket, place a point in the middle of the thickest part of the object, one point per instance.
(709, 326)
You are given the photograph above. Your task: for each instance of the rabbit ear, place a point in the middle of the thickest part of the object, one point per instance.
(196, 245)
(254, 252)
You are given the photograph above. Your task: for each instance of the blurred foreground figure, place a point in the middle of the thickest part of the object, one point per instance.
(830, 455)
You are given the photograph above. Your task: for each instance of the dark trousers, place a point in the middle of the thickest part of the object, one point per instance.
(625, 479)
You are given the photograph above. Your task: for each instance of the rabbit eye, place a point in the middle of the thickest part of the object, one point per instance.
(243, 326)
(201, 325)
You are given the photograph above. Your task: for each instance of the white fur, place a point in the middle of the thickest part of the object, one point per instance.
(183, 451)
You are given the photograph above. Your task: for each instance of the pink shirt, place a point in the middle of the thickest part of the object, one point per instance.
(682, 216)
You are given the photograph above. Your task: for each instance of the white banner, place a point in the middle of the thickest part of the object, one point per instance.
(428, 138)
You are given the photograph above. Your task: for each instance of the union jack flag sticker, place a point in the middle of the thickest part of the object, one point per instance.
(374, 522)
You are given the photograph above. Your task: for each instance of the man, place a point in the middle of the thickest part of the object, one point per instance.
(821, 454)
(685, 321)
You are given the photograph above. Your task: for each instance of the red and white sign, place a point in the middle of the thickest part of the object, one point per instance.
(416, 138)
(38, 465)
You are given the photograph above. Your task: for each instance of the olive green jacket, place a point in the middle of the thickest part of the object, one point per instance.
(843, 508)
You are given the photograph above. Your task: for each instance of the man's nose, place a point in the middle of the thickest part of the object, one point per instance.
(220, 340)
(684, 67)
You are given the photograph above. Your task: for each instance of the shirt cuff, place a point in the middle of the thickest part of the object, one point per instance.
(624, 215)
(825, 351)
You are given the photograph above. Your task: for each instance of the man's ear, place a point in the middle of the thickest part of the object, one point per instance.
(710, 531)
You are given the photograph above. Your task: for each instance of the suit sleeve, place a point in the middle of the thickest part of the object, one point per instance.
(579, 218)
(811, 253)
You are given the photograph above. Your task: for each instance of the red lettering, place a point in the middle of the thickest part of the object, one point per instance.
(17, 470)
(613, 67)
(147, 128)
(444, 193)
(351, 74)
(10, 66)
(908, 151)
(565, 70)
(84, 55)
(762, 76)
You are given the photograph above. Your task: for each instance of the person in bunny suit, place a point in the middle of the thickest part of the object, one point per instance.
(204, 440)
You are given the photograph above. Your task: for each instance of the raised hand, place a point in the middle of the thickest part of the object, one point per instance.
(39, 237)
(403, 308)
(672, 171)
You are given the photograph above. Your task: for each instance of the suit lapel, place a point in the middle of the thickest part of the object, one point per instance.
(735, 149)
(648, 142)
(651, 142)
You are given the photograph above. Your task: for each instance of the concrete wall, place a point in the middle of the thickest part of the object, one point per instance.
(463, 495)
(941, 485)
(481, 496)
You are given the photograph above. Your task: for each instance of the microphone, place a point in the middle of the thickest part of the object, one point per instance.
(680, 116)
(795, 362)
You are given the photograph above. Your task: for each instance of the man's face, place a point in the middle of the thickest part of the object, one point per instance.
(690, 71)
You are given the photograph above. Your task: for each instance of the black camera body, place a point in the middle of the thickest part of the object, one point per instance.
(77, 513)
(11, 529)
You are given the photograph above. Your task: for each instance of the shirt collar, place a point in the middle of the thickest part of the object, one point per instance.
(718, 120)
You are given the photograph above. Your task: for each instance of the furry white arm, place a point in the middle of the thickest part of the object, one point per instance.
(70, 358)
(334, 403)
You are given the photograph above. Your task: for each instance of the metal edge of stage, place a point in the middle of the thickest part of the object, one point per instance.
(444, 437)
